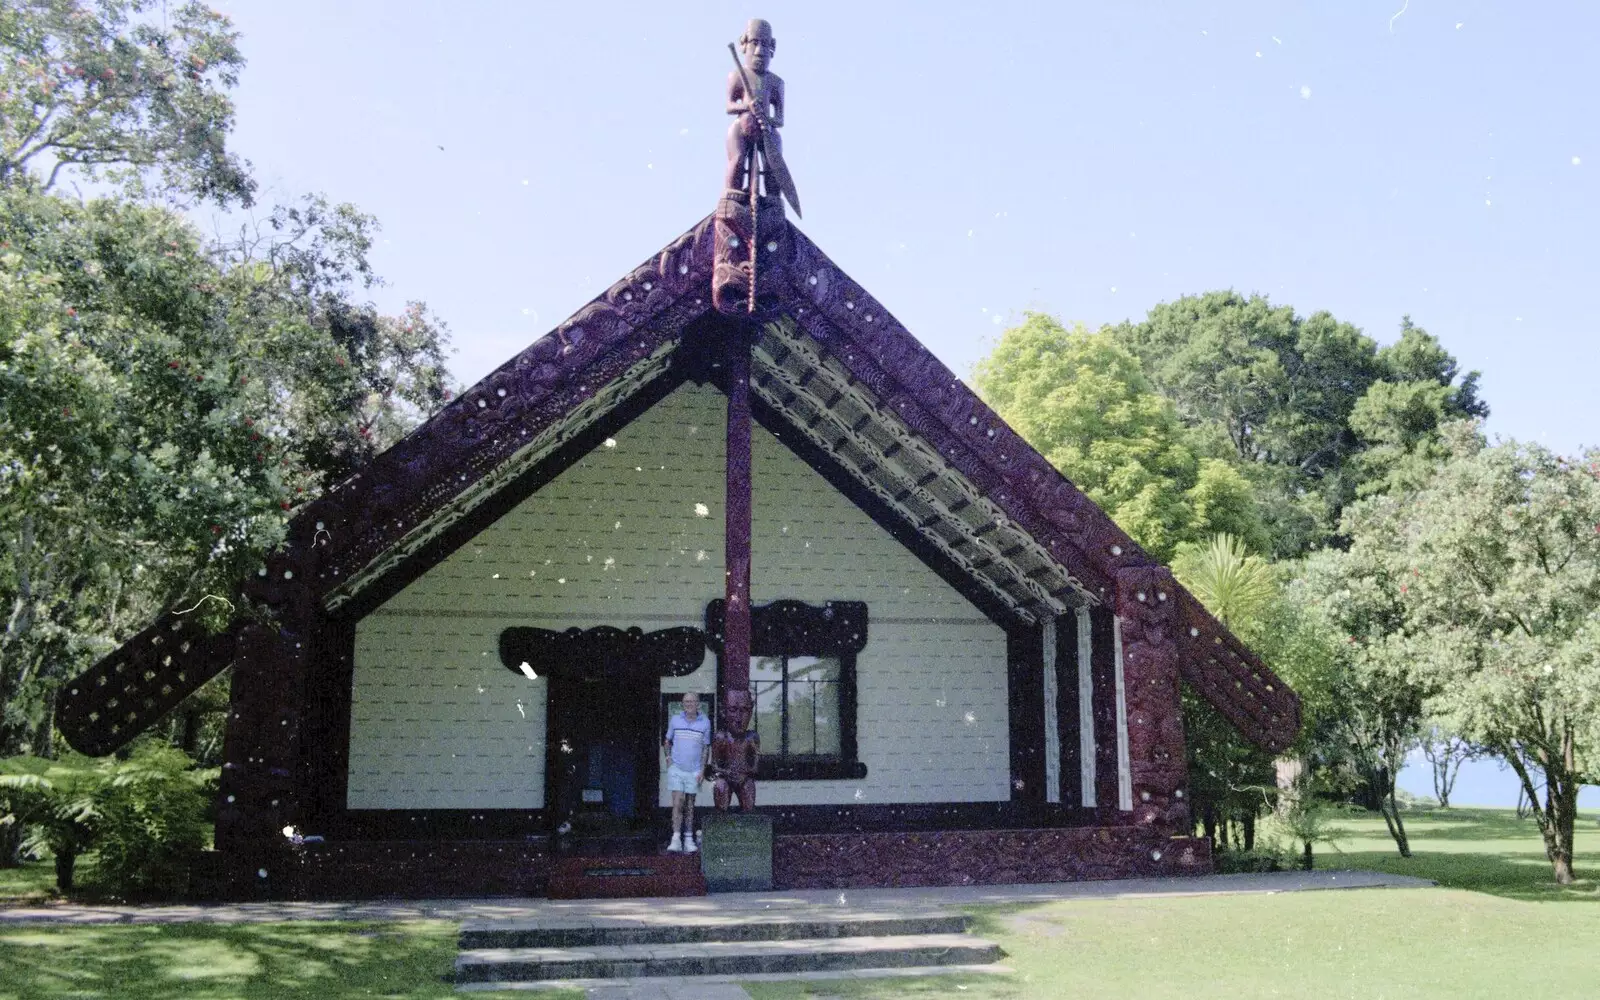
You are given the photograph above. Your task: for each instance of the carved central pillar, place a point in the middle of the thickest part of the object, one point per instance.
(736, 538)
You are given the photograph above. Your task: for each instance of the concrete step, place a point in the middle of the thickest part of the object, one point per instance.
(558, 933)
(722, 958)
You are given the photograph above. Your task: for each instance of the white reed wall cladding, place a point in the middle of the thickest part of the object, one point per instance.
(632, 535)
(437, 723)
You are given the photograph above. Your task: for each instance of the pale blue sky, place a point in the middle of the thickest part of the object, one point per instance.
(968, 161)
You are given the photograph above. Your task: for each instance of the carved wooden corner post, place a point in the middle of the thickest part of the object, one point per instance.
(260, 792)
(1147, 606)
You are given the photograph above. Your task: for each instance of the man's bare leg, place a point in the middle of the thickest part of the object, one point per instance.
(677, 815)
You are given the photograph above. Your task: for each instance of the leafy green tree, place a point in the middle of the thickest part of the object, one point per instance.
(164, 404)
(1084, 403)
(1277, 392)
(1378, 711)
(104, 90)
(1496, 565)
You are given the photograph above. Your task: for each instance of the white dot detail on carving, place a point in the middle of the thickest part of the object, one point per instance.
(1194, 633)
(1116, 550)
(1140, 595)
(812, 280)
(683, 268)
(772, 246)
(288, 574)
(1161, 595)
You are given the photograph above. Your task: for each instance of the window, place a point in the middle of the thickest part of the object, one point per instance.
(803, 686)
(797, 707)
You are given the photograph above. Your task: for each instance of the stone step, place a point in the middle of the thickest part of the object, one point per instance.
(558, 933)
(722, 958)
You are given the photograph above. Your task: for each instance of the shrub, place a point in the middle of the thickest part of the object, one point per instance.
(152, 818)
(143, 815)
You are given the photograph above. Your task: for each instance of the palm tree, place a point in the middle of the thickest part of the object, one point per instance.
(1233, 584)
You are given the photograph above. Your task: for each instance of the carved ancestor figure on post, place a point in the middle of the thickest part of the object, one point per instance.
(756, 97)
(735, 754)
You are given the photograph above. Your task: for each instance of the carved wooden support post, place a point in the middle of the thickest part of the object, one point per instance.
(1147, 604)
(260, 791)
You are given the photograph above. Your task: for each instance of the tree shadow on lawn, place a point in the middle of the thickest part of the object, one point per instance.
(1463, 823)
(410, 960)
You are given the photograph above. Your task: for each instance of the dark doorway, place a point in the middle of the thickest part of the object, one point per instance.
(603, 774)
(601, 727)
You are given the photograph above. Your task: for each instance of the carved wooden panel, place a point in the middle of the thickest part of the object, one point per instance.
(981, 857)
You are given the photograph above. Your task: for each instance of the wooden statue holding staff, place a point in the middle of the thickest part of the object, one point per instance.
(756, 97)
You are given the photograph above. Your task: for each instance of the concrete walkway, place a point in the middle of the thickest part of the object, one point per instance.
(694, 909)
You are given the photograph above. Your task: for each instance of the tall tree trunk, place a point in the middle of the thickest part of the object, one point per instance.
(190, 739)
(1390, 808)
(11, 845)
(44, 735)
(1249, 821)
(65, 860)
(1558, 815)
(1306, 860)
(1210, 814)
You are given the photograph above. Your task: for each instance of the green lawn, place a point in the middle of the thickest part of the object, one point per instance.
(1490, 931)
(35, 880)
(1485, 850)
(234, 962)
(1489, 926)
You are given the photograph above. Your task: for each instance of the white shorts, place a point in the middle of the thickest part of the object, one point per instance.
(679, 780)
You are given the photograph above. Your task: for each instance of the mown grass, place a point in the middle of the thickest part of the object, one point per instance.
(1481, 850)
(1488, 931)
(411, 960)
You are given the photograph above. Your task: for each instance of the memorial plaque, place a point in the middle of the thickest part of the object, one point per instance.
(736, 852)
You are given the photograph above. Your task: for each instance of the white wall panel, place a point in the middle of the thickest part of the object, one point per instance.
(632, 535)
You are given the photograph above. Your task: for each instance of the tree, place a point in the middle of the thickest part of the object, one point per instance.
(1379, 704)
(100, 89)
(164, 404)
(1083, 402)
(1276, 393)
(1501, 552)
(1229, 777)
(1445, 753)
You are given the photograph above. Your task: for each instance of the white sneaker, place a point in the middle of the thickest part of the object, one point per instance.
(691, 843)
(676, 847)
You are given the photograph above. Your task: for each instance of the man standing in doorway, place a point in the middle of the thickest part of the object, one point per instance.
(687, 744)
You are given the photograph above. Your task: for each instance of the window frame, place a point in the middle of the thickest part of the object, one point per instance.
(785, 629)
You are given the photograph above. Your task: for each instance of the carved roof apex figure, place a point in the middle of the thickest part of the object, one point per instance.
(758, 29)
(758, 45)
